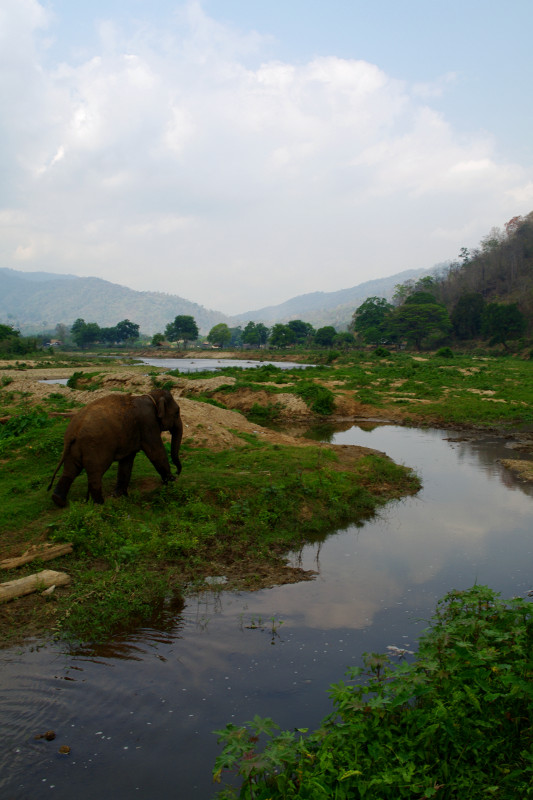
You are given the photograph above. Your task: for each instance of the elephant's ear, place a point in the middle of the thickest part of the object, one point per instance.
(161, 408)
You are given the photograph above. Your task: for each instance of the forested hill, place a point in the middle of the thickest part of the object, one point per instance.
(34, 302)
(500, 269)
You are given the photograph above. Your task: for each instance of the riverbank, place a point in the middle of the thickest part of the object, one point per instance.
(248, 493)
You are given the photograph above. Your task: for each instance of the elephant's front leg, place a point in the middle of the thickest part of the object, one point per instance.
(158, 456)
(125, 466)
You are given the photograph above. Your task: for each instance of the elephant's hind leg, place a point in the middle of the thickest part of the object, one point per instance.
(125, 466)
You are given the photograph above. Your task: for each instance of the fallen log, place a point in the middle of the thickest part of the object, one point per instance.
(32, 583)
(45, 552)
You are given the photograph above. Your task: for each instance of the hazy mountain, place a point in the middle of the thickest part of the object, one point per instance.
(330, 308)
(37, 301)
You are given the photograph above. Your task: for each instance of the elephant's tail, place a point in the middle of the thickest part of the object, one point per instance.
(55, 473)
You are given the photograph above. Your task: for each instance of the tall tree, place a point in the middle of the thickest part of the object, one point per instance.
(183, 328)
(325, 336)
(127, 331)
(255, 334)
(467, 316)
(282, 336)
(417, 322)
(370, 318)
(503, 322)
(219, 334)
(85, 333)
(303, 331)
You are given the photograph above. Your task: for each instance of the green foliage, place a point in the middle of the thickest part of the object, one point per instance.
(219, 334)
(371, 315)
(87, 333)
(502, 322)
(318, 398)
(455, 723)
(444, 352)
(255, 334)
(281, 336)
(263, 415)
(88, 381)
(467, 316)
(325, 336)
(303, 331)
(183, 327)
(418, 322)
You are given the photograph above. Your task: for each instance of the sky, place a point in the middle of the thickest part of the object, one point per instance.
(241, 152)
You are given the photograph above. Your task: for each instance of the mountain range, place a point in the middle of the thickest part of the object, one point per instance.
(35, 302)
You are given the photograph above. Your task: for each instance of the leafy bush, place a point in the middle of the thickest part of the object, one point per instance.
(318, 398)
(444, 352)
(381, 352)
(454, 724)
(264, 414)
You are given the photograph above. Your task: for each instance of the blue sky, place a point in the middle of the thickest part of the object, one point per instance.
(238, 153)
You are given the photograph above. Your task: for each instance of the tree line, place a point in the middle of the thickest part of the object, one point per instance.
(255, 334)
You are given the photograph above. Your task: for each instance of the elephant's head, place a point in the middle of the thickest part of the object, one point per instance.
(168, 412)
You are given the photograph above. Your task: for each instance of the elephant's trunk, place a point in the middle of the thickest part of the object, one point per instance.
(177, 433)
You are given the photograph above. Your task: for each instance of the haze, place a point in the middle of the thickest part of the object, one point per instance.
(238, 154)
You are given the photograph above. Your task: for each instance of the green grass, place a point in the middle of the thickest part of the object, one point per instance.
(454, 724)
(238, 508)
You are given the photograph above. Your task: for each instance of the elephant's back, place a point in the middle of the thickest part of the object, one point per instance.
(103, 414)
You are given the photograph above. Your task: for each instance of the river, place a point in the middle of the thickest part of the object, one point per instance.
(138, 713)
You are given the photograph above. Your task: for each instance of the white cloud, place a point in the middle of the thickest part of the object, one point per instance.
(173, 162)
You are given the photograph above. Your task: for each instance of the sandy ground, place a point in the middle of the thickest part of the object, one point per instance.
(204, 424)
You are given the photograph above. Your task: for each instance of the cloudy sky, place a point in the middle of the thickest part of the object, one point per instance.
(241, 152)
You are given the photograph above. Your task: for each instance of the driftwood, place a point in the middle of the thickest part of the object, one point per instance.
(44, 551)
(32, 583)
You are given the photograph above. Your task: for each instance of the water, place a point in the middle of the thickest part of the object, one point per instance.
(138, 713)
(211, 364)
(186, 365)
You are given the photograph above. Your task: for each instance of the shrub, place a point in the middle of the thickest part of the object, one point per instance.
(456, 723)
(318, 398)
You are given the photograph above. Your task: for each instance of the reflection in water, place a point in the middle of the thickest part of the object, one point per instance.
(138, 713)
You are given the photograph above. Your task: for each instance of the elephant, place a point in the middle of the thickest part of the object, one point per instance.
(115, 428)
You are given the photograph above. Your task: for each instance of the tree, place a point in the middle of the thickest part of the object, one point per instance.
(370, 319)
(127, 331)
(303, 331)
(503, 322)
(236, 336)
(219, 334)
(282, 336)
(325, 336)
(255, 334)
(416, 322)
(420, 298)
(183, 328)
(85, 333)
(344, 339)
(467, 316)
(7, 332)
(108, 335)
(157, 340)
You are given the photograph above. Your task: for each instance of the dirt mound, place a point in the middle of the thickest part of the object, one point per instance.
(205, 425)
